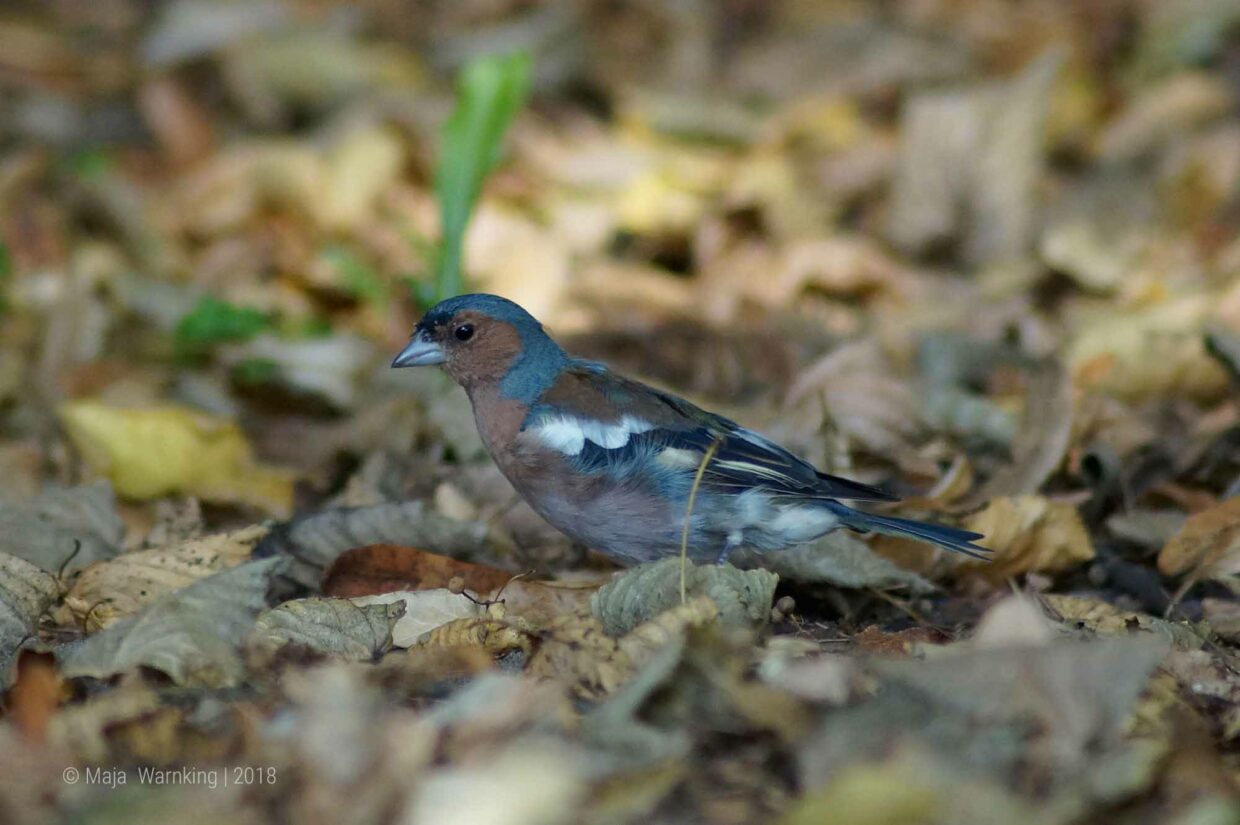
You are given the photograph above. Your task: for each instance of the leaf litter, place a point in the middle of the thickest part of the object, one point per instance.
(982, 255)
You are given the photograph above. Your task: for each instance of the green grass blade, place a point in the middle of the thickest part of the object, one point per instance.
(491, 92)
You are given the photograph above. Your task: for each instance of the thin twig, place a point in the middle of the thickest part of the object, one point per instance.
(684, 535)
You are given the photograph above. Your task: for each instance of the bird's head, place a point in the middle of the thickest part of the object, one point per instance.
(480, 339)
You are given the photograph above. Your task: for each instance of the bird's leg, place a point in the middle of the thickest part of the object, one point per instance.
(728, 546)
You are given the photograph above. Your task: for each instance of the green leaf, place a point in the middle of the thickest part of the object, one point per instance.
(6, 269)
(88, 164)
(491, 91)
(360, 278)
(256, 372)
(214, 321)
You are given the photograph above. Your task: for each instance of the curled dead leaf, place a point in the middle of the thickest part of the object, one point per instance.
(643, 592)
(496, 636)
(642, 641)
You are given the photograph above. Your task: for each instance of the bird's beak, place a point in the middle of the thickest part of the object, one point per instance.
(421, 351)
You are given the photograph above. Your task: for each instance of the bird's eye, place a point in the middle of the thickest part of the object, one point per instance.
(464, 332)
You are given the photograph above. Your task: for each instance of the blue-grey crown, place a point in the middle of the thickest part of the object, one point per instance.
(541, 358)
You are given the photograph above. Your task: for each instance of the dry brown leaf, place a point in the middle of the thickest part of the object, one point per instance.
(382, 568)
(1208, 545)
(1028, 534)
(113, 590)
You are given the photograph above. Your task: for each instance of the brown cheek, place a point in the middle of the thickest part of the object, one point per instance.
(488, 358)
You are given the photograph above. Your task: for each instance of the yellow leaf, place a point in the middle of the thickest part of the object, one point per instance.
(1029, 533)
(1208, 543)
(1138, 354)
(148, 453)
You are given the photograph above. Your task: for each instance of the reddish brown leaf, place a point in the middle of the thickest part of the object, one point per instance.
(35, 694)
(383, 568)
(900, 643)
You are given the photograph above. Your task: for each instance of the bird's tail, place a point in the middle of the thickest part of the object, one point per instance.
(950, 538)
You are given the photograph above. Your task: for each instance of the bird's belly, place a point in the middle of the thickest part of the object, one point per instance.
(621, 520)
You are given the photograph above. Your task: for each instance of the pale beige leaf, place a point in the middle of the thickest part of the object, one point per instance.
(108, 592)
(425, 610)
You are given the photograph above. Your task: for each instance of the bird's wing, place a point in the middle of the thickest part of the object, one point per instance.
(603, 421)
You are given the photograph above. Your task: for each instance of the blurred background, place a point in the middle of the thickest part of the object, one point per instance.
(981, 252)
(895, 235)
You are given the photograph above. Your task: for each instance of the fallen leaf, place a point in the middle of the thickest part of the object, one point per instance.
(26, 592)
(192, 635)
(425, 610)
(108, 592)
(900, 643)
(1208, 545)
(65, 528)
(148, 453)
(539, 602)
(1107, 620)
(382, 568)
(334, 627)
(641, 593)
(35, 695)
(83, 728)
(1028, 534)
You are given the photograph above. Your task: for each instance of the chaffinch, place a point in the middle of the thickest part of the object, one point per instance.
(612, 462)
